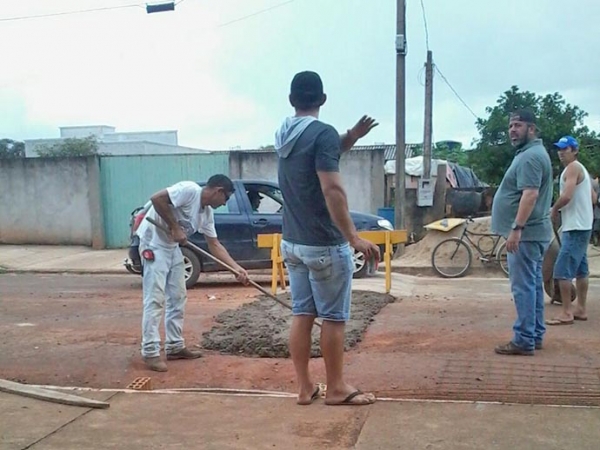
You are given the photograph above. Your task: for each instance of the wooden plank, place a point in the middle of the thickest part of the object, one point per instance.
(50, 396)
(376, 237)
(265, 240)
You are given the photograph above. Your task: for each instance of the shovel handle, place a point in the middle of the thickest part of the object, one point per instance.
(227, 266)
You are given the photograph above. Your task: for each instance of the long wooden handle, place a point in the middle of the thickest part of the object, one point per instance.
(217, 260)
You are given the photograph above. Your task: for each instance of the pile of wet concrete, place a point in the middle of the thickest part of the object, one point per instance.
(261, 328)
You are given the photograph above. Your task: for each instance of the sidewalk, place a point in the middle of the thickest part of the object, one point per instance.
(56, 258)
(423, 268)
(153, 420)
(80, 259)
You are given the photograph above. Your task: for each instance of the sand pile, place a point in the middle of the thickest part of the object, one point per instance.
(419, 254)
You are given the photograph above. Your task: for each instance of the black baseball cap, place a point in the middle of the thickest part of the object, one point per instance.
(523, 115)
(306, 91)
(307, 84)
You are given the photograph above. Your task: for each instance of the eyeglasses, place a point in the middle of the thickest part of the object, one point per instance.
(227, 195)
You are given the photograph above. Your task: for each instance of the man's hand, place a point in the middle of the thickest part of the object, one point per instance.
(178, 235)
(512, 243)
(362, 127)
(367, 248)
(554, 215)
(242, 276)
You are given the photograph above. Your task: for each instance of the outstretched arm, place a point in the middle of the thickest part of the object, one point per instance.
(358, 131)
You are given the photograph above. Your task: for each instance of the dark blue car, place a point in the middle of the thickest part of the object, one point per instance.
(255, 208)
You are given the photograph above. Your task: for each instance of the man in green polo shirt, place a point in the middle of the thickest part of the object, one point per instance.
(521, 213)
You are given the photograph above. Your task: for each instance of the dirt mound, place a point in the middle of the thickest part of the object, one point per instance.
(419, 254)
(261, 328)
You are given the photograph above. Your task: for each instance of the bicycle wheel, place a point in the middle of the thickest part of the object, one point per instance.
(501, 257)
(451, 258)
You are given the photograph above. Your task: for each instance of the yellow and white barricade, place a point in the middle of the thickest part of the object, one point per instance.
(383, 237)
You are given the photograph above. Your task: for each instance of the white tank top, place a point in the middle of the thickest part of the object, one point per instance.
(578, 214)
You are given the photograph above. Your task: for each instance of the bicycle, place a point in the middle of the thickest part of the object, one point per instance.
(452, 258)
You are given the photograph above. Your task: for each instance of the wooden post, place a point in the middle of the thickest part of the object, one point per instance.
(428, 116)
(400, 179)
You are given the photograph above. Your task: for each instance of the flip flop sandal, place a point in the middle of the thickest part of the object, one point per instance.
(315, 395)
(559, 322)
(349, 400)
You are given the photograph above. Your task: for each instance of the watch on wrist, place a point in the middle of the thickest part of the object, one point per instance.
(517, 227)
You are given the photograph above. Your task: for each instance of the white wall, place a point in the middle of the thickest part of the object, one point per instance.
(361, 170)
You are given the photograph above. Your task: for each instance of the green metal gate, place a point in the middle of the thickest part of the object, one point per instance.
(128, 182)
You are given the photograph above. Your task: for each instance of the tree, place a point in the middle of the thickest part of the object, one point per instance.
(493, 152)
(11, 149)
(70, 147)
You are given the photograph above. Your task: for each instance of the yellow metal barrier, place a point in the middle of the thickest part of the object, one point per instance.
(387, 238)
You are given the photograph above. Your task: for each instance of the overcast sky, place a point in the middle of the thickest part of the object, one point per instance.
(224, 83)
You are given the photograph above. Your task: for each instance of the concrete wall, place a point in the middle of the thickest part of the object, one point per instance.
(361, 170)
(50, 201)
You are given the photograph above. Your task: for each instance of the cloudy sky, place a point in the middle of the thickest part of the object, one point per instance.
(218, 71)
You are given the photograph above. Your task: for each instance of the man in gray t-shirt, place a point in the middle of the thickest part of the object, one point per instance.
(317, 234)
(521, 213)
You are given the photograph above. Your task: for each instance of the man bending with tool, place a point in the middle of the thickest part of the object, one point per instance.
(317, 230)
(184, 208)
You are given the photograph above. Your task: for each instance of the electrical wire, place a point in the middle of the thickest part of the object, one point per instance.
(66, 13)
(255, 14)
(454, 90)
(425, 24)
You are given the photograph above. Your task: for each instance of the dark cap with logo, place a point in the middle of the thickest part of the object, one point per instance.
(523, 115)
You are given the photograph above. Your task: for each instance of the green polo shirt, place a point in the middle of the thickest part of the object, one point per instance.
(530, 168)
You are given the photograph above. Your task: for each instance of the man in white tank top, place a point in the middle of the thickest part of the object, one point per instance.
(576, 206)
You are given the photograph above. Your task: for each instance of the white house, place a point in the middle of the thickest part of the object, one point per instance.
(111, 142)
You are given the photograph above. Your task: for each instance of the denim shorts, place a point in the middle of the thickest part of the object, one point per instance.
(320, 280)
(571, 261)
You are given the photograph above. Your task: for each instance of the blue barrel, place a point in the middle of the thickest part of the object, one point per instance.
(387, 213)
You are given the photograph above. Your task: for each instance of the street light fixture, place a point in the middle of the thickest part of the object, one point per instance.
(160, 7)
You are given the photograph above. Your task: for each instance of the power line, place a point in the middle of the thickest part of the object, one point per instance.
(66, 13)
(425, 24)
(255, 14)
(454, 90)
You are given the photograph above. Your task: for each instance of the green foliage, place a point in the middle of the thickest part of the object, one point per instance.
(556, 118)
(69, 147)
(456, 155)
(11, 149)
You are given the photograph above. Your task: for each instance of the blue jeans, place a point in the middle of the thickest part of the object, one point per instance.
(320, 280)
(164, 288)
(571, 261)
(526, 283)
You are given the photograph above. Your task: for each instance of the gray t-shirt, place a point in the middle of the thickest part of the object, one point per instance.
(306, 219)
(531, 168)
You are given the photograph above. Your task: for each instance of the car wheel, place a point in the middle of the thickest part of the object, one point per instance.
(361, 267)
(191, 267)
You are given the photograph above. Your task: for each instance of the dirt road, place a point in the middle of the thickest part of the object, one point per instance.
(436, 342)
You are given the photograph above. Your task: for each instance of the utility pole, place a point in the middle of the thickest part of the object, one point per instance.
(428, 116)
(400, 185)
